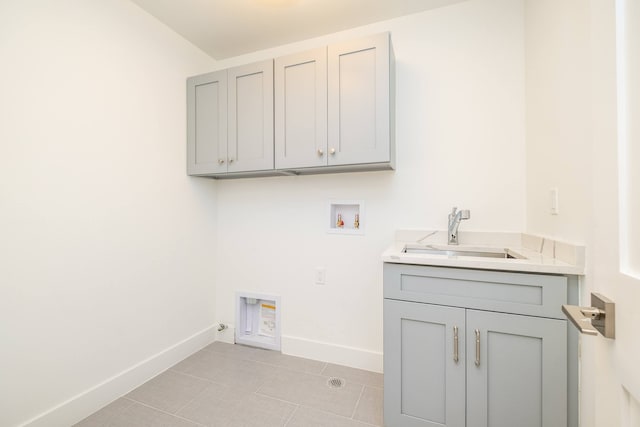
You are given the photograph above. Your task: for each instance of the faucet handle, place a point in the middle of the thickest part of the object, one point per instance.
(453, 210)
(465, 214)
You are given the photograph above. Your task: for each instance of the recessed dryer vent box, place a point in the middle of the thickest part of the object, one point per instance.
(258, 320)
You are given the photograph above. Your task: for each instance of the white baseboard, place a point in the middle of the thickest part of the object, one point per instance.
(322, 351)
(84, 404)
(332, 353)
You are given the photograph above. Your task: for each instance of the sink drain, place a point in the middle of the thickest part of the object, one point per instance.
(335, 382)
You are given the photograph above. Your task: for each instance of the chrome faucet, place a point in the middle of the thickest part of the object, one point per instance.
(454, 223)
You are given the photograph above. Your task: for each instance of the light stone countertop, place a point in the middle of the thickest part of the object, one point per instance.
(540, 255)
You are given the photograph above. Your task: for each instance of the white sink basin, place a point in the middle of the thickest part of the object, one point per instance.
(450, 251)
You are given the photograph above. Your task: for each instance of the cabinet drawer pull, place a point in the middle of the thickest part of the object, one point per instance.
(455, 344)
(477, 347)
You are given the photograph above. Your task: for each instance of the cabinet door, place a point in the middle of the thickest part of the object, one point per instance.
(359, 101)
(519, 376)
(423, 383)
(301, 110)
(207, 123)
(251, 117)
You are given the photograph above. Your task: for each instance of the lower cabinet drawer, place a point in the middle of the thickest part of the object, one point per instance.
(520, 293)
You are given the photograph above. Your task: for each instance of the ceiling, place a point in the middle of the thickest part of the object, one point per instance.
(227, 28)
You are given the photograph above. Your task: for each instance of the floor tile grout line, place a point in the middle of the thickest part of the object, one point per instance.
(287, 369)
(209, 380)
(176, 414)
(197, 377)
(261, 362)
(253, 391)
(195, 397)
(355, 408)
(322, 373)
(148, 405)
(257, 393)
(170, 414)
(249, 359)
(338, 415)
(259, 387)
(291, 416)
(367, 384)
(131, 401)
(208, 385)
(266, 363)
(303, 405)
(324, 368)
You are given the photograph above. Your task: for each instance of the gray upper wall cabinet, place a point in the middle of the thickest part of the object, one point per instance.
(325, 110)
(230, 120)
(207, 123)
(250, 144)
(301, 110)
(361, 101)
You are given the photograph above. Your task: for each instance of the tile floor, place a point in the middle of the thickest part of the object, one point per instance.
(232, 385)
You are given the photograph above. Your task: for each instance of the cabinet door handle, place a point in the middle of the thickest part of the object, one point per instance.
(455, 344)
(477, 347)
(332, 151)
(220, 161)
(230, 160)
(320, 152)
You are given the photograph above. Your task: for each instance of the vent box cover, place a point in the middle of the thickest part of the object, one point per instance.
(258, 320)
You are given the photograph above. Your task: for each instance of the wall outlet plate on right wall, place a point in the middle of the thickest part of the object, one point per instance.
(553, 199)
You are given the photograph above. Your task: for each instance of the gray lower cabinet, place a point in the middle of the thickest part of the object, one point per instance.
(516, 370)
(423, 384)
(460, 363)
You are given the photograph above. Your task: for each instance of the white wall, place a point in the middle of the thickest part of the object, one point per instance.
(572, 145)
(559, 135)
(460, 138)
(558, 96)
(109, 253)
(106, 246)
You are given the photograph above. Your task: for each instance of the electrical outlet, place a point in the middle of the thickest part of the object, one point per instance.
(321, 276)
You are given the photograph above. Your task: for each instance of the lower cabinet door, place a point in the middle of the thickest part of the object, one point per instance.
(516, 370)
(424, 378)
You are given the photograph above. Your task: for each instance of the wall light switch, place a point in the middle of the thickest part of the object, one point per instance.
(553, 194)
(321, 276)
